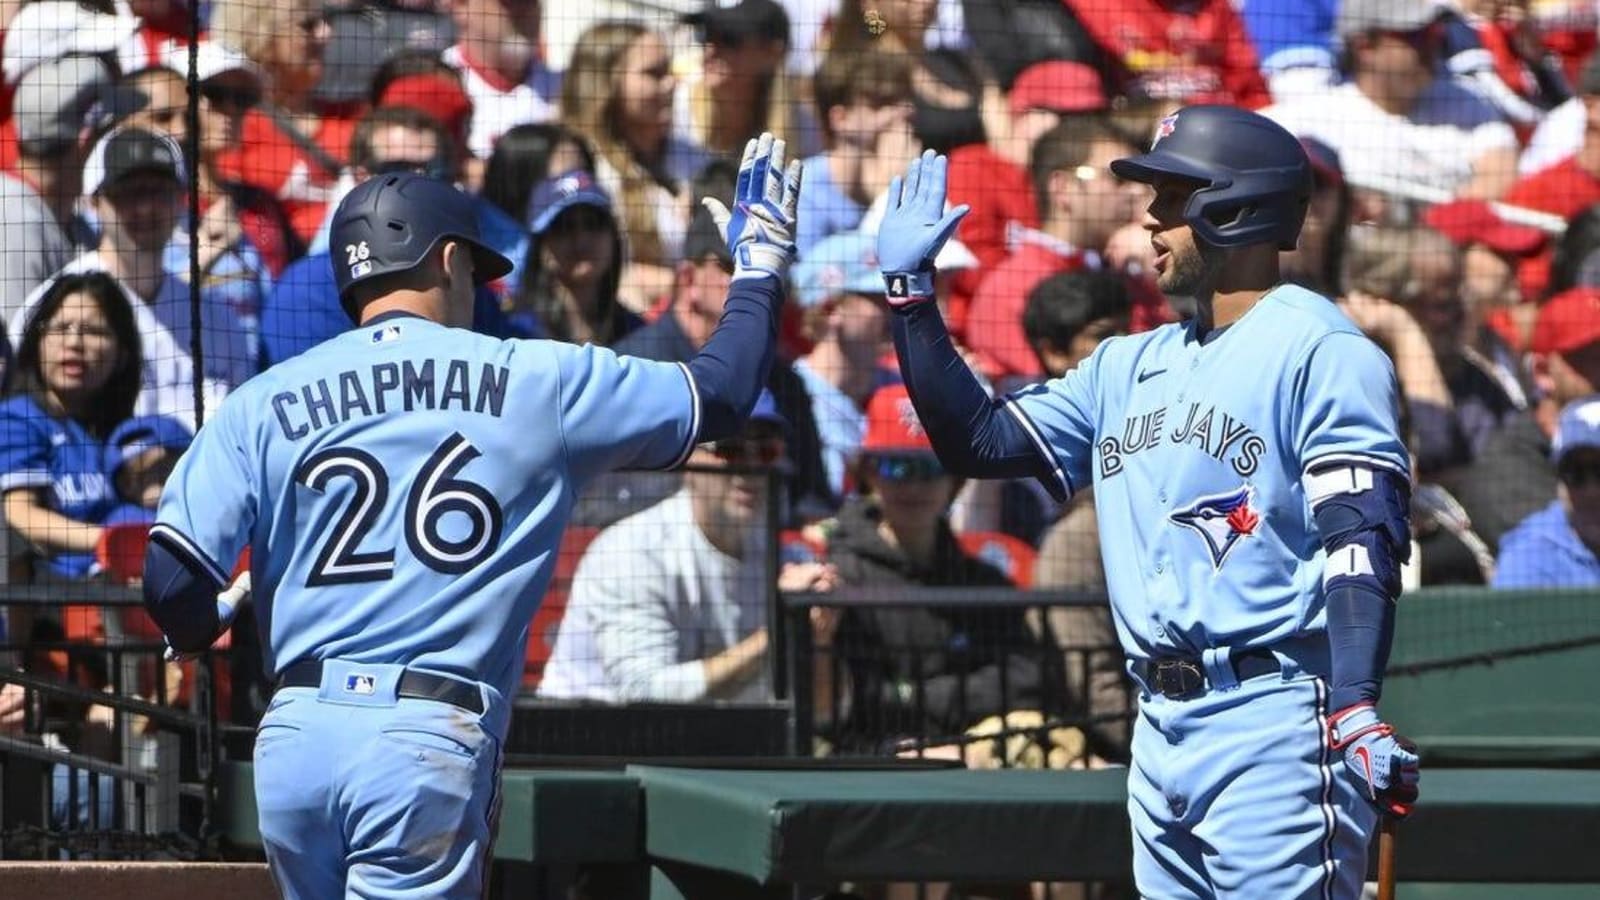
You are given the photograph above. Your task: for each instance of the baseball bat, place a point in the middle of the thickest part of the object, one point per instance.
(1386, 858)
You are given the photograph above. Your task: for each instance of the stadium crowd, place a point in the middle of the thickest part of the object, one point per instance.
(1455, 219)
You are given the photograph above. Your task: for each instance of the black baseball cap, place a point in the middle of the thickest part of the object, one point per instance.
(127, 151)
(736, 20)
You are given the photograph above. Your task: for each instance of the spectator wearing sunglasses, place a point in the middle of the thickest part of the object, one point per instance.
(1556, 546)
(292, 148)
(917, 670)
(303, 309)
(742, 88)
(664, 612)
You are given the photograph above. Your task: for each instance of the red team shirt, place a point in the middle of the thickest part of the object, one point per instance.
(1192, 52)
(269, 160)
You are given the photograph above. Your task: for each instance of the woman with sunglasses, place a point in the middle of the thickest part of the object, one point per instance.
(292, 148)
(917, 671)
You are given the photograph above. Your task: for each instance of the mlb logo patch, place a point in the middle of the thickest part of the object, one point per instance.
(361, 685)
(385, 334)
(361, 268)
(1165, 128)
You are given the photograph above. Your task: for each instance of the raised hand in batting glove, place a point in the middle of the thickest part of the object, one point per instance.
(227, 607)
(1385, 765)
(760, 227)
(915, 225)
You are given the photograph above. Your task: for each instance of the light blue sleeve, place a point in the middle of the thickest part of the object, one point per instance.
(621, 412)
(209, 503)
(1060, 416)
(1346, 405)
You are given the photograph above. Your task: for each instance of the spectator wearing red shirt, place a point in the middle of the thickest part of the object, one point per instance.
(289, 148)
(1494, 45)
(993, 179)
(1080, 204)
(498, 53)
(1180, 51)
(1569, 186)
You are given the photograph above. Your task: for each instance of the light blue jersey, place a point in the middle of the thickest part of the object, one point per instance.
(403, 488)
(1197, 449)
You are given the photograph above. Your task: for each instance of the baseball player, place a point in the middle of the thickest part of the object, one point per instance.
(1252, 491)
(403, 488)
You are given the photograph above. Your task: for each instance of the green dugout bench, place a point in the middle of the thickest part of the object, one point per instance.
(730, 834)
(1490, 684)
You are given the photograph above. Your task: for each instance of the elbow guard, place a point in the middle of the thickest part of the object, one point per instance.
(1364, 516)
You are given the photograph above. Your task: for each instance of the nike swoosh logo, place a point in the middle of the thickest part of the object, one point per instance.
(1147, 375)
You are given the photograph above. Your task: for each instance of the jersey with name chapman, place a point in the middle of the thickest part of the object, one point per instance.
(409, 484)
(1196, 450)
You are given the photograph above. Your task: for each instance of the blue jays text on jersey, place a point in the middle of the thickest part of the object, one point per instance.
(1198, 466)
(1210, 430)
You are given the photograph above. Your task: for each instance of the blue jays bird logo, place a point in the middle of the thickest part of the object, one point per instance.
(1221, 520)
(1165, 128)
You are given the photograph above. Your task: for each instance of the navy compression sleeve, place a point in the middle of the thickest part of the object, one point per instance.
(181, 596)
(973, 434)
(731, 368)
(1366, 532)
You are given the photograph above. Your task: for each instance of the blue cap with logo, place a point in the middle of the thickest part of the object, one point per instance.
(1578, 428)
(557, 194)
(845, 263)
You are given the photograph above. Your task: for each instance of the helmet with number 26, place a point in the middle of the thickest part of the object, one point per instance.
(390, 223)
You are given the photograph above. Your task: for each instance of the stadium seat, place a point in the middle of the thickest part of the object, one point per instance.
(1012, 556)
(542, 631)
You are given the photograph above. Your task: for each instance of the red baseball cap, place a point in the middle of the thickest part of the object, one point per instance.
(1475, 222)
(893, 428)
(1568, 321)
(1058, 85)
(439, 96)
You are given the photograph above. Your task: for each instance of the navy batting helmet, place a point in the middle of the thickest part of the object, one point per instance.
(1255, 177)
(389, 223)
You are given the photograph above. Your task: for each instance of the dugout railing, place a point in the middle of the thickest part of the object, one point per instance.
(102, 764)
(991, 697)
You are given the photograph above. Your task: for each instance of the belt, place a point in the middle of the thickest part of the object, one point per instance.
(1178, 678)
(413, 684)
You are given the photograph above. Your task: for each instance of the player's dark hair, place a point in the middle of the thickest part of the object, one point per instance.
(114, 404)
(847, 78)
(363, 155)
(1067, 146)
(1062, 305)
(521, 159)
(1576, 251)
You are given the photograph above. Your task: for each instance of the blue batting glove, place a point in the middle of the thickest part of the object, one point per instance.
(915, 225)
(1385, 765)
(760, 228)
